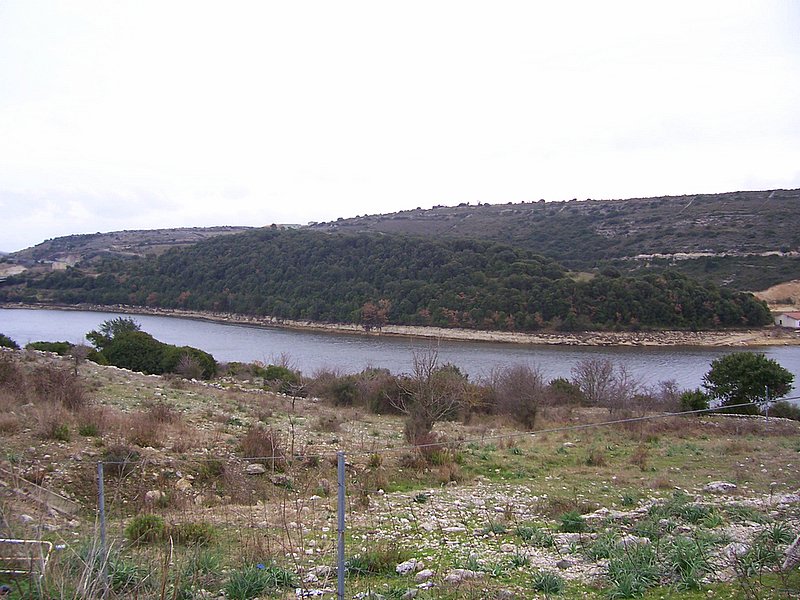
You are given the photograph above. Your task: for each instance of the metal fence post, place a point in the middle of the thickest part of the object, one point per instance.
(340, 476)
(101, 505)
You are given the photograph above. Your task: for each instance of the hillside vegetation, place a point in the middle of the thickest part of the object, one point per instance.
(377, 279)
(740, 239)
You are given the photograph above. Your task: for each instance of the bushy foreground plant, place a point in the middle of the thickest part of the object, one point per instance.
(253, 581)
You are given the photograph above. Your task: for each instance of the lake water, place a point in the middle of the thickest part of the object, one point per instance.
(347, 353)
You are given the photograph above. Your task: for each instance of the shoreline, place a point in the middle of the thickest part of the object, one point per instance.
(767, 336)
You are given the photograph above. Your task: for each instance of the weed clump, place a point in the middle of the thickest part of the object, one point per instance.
(145, 529)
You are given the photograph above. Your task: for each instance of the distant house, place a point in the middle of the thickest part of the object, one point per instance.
(788, 319)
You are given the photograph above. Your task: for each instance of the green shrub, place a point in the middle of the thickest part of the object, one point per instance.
(381, 560)
(7, 342)
(694, 400)
(785, 410)
(632, 570)
(144, 529)
(688, 559)
(536, 536)
(88, 429)
(256, 580)
(572, 522)
(547, 582)
(193, 533)
(60, 348)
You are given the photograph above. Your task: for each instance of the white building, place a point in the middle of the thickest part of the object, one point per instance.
(788, 319)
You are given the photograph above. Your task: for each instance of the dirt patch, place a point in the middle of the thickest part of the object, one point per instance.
(782, 297)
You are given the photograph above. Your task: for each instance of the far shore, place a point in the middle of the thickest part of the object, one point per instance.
(766, 336)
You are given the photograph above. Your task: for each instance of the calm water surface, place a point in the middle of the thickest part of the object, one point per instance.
(310, 351)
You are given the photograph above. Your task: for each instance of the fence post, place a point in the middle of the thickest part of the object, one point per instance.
(101, 505)
(340, 476)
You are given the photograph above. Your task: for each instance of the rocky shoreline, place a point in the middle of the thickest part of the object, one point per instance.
(766, 336)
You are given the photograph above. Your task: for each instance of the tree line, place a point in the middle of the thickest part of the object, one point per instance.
(375, 279)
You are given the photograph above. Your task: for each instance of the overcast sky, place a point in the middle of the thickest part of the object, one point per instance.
(137, 115)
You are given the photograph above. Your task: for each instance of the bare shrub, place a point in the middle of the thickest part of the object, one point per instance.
(144, 431)
(329, 423)
(53, 423)
(58, 386)
(160, 412)
(606, 384)
(432, 393)
(264, 445)
(519, 390)
(9, 423)
(189, 367)
(640, 457)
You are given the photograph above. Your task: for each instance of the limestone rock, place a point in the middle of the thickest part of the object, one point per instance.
(719, 487)
(255, 469)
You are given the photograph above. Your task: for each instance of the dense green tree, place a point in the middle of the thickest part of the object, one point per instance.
(746, 377)
(7, 342)
(392, 279)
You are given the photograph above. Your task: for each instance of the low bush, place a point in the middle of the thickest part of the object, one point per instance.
(193, 533)
(265, 445)
(145, 529)
(7, 342)
(256, 580)
(60, 348)
(572, 522)
(785, 410)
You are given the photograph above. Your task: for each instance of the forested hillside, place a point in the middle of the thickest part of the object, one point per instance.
(376, 279)
(739, 239)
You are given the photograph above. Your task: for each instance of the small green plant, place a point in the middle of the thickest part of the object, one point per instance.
(632, 570)
(88, 430)
(144, 529)
(547, 582)
(381, 560)
(538, 537)
(421, 498)
(254, 580)
(495, 528)
(777, 533)
(61, 432)
(572, 522)
(193, 533)
(518, 560)
(603, 547)
(688, 559)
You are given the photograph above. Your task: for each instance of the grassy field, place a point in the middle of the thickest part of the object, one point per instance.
(612, 511)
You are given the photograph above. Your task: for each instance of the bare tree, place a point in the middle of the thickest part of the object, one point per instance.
(519, 390)
(431, 393)
(605, 383)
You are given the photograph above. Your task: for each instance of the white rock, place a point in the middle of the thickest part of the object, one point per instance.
(507, 548)
(255, 469)
(424, 575)
(719, 487)
(183, 485)
(406, 567)
(459, 575)
(152, 496)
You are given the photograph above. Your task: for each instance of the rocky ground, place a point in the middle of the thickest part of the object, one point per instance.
(489, 515)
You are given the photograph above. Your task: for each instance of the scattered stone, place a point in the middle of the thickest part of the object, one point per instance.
(735, 549)
(411, 593)
(564, 564)
(719, 487)
(407, 567)
(458, 575)
(633, 540)
(424, 575)
(26, 518)
(455, 529)
(508, 548)
(183, 485)
(255, 469)
(153, 496)
(505, 595)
